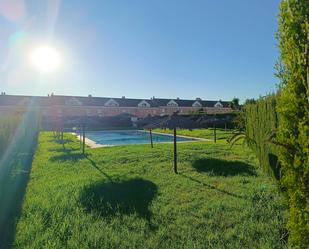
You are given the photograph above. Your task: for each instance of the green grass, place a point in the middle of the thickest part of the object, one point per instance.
(18, 136)
(222, 134)
(129, 197)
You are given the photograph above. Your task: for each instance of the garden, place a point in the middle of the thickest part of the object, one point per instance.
(129, 197)
(247, 188)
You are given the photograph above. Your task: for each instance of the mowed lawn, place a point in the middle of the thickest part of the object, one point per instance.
(129, 197)
(221, 134)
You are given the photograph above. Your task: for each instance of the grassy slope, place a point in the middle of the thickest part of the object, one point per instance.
(128, 197)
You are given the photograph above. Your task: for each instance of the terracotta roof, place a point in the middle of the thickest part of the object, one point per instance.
(6, 100)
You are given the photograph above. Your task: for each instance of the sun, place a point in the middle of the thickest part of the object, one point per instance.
(45, 58)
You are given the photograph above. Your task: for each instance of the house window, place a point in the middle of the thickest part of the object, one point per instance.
(99, 112)
(143, 104)
(218, 105)
(111, 103)
(197, 104)
(88, 112)
(73, 102)
(172, 103)
(59, 111)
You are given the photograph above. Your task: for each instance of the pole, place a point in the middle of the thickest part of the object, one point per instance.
(61, 130)
(83, 139)
(62, 141)
(151, 142)
(215, 133)
(80, 137)
(175, 152)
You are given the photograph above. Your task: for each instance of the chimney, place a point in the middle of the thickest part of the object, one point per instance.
(178, 98)
(89, 95)
(198, 99)
(123, 97)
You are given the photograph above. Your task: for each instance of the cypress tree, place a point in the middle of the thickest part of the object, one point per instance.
(293, 113)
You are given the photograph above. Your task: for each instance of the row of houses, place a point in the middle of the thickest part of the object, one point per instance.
(66, 106)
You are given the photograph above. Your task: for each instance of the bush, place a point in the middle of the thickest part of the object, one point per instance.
(293, 113)
(260, 124)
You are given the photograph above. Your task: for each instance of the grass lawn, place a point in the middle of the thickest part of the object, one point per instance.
(221, 134)
(129, 197)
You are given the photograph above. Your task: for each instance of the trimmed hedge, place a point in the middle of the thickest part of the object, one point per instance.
(261, 122)
(293, 113)
(278, 124)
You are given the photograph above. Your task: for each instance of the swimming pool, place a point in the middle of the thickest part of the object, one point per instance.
(121, 137)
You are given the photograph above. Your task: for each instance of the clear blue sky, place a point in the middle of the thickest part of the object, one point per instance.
(142, 48)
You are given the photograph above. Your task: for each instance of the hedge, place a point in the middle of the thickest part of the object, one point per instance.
(293, 113)
(261, 122)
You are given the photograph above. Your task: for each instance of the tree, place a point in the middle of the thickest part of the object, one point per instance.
(249, 101)
(293, 113)
(234, 104)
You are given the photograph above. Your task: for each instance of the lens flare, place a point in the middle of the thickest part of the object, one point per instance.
(45, 58)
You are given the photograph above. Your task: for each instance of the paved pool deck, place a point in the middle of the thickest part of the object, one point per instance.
(89, 142)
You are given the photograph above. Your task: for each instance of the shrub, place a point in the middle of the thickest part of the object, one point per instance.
(260, 124)
(293, 113)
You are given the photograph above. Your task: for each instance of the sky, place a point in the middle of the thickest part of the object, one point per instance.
(141, 48)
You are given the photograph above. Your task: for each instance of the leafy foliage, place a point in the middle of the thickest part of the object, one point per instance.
(239, 120)
(234, 104)
(293, 112)
(261, 124)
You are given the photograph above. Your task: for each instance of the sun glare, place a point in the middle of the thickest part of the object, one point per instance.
(45, 58)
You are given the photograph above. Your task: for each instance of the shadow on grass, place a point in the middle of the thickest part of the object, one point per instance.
(123, 197)
(60, 141)
(213, 187)
(93, 164)
(64, 150)
(14, 177)
(220, 167)
(67, 157)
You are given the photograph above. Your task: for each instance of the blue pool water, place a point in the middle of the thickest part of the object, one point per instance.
(117, 137)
